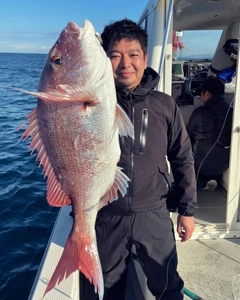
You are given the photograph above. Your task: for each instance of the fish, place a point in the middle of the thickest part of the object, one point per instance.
(75, 130)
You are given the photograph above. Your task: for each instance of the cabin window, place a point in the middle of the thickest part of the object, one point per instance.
(198, 44)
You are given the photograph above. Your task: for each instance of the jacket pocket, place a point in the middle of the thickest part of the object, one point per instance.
(165, 180)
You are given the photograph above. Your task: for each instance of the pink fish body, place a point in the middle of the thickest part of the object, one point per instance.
(75, 130)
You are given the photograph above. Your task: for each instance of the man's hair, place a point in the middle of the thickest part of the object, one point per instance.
(124, 29)
(213, 85)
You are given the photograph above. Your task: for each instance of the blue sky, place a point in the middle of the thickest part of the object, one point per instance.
(33, 26)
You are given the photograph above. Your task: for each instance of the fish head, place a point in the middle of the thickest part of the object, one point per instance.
(77, 59)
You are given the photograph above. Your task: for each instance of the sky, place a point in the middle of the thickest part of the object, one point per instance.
(33, 26)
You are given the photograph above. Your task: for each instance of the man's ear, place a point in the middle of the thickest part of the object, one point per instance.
(208, 94)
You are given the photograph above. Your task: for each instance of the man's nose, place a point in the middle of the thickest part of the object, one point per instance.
(125, 61)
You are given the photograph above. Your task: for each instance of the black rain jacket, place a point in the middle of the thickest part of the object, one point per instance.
(209, 129)
(159, 133)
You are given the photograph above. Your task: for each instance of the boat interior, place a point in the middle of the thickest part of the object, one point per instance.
(218, 215)
(211, 218)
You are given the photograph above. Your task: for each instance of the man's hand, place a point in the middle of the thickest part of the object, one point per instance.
(185, 227)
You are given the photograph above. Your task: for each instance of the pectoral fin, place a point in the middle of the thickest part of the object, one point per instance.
(124, 124)
(66, 93)
(120, 184)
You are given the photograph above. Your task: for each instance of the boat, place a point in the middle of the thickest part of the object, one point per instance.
(210, 262)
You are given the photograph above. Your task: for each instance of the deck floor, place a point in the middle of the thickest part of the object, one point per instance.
(212, 205)
(210, 268)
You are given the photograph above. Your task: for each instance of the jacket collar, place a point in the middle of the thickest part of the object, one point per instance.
(214, 100)
(148, 84)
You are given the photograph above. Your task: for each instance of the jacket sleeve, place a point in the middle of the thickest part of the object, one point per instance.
(182, 166)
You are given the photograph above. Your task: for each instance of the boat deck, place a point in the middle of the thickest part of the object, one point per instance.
(209, 266)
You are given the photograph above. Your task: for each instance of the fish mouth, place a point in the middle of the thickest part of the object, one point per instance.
(73, 29)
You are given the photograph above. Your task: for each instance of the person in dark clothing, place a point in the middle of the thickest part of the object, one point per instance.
(141, 217)
(209, 128)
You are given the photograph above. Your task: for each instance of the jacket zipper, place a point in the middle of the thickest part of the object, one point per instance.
(143, 132)
(131, 157)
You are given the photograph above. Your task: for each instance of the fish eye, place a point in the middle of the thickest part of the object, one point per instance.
(99, 37)
(56, 60)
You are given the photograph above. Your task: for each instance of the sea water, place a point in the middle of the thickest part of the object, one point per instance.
(26, 219)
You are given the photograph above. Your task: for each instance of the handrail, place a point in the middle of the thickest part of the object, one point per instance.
(165, 37)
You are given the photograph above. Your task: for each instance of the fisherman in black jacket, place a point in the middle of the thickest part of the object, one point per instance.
(209, 128)
(141, 217)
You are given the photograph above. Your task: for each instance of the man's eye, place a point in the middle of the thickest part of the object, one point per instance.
(114, 56)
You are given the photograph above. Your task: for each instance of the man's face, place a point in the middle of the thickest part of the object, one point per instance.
(128, 63)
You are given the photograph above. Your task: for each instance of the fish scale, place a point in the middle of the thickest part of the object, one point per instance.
(75, 129)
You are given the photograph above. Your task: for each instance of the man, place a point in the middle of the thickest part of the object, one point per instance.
(141, 218)
(209, 128)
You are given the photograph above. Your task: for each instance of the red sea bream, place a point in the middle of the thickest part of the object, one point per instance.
(75, 129)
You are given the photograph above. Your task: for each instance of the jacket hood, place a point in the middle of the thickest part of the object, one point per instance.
(148, 84)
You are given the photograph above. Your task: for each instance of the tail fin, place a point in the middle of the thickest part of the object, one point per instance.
(79, 254)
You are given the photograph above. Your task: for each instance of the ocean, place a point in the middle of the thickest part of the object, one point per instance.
(26, 219)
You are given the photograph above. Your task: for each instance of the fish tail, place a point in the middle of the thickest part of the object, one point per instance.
(79, 254)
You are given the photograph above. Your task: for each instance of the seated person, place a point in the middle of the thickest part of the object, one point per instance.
(209, 129)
